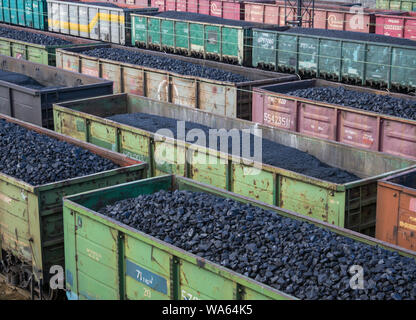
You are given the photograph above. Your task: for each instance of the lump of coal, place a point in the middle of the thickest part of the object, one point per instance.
(32, 37)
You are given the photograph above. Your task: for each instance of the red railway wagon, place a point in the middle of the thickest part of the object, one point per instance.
(345, 17)
(401, 25)
(131, 4)
(227, 9)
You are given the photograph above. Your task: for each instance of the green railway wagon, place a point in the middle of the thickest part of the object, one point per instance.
(106, 259)
(404, 5)
(31, 221)
(219, 39)
(26, 13)
(351, 205)
(43, 54)
(357, 62)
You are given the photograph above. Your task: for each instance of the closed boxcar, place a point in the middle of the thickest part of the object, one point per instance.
(219, 97)
(44, 54)
(337, 57)
(94, 244)
(350, 205)
(274, 107)
(27, 13)
(34, 105)
(404, 5)
(396, 210)
(194, 34)
(93, 21)
(31, 216)
(397, 25)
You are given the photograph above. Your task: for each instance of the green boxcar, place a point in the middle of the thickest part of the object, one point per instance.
(106, 259)
(351, 205)
(27, 13)
(44, 54)
(31, 222)
(221, 42)
(404, 5)
(356, 62)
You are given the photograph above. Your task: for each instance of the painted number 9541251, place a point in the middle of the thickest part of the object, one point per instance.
(277, 121)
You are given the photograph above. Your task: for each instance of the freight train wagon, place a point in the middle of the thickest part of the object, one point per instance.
(327, 15)
(351, 205)
(391, 130)
(401, 25)
(26, 13)
(351, 57)
(160, 80)
(404, 5)
(155, 267)
(132, 4)
(35, 46)
(28, 90)
(104, 22)
(396, 210)
(194, 34)
(31, 233)
(227, 9)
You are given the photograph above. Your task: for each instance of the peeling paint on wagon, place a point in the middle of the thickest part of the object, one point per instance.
(31, 226)
(349, 205)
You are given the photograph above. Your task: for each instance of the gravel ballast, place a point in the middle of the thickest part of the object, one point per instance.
(379, 103)
(165, 63)
(32, 37)
(274, 153)
(295, 257)
(39, 159)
